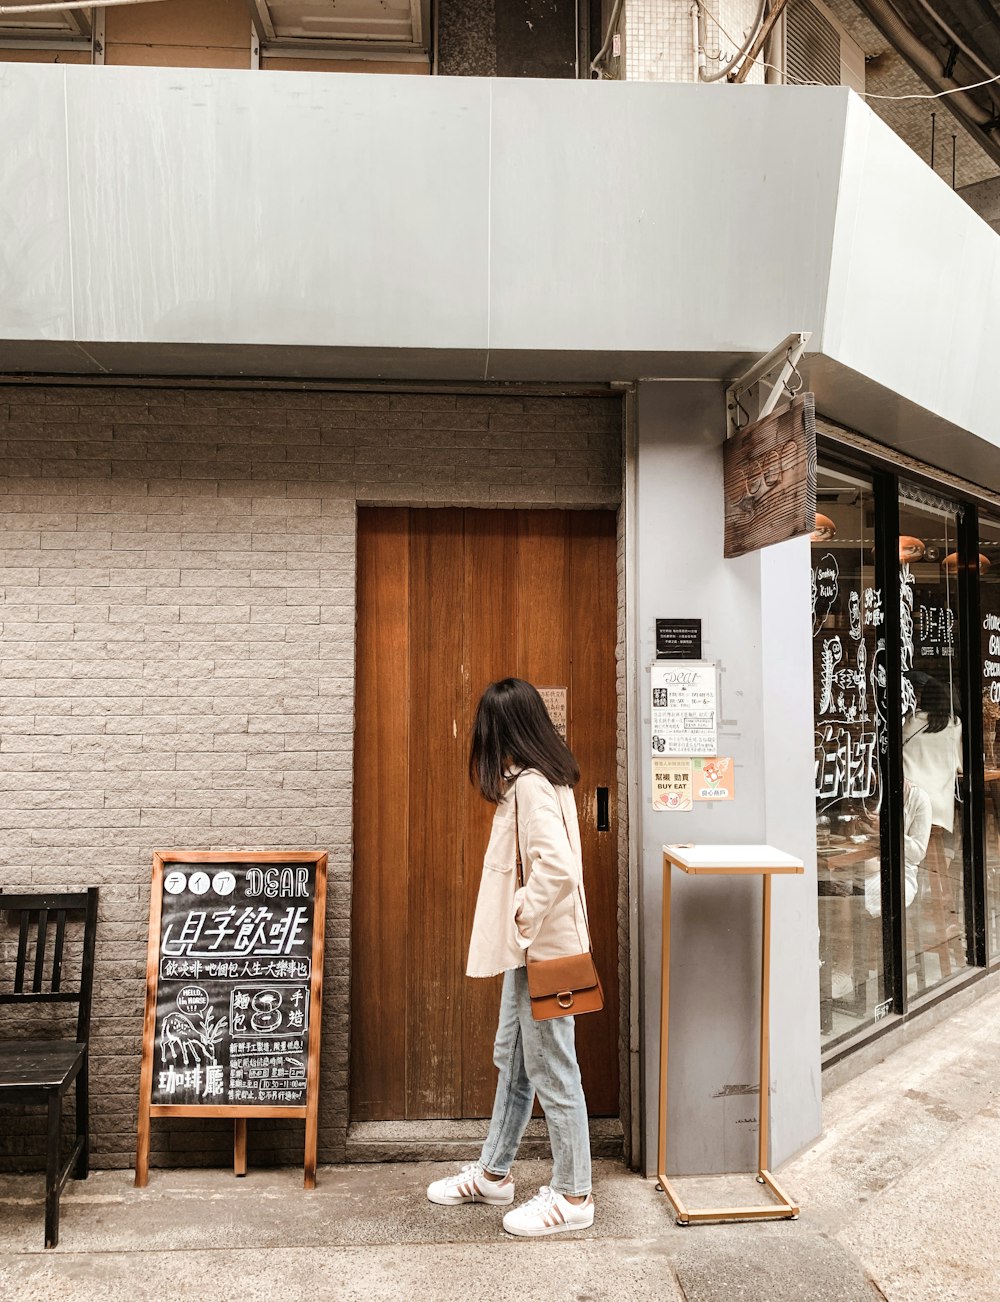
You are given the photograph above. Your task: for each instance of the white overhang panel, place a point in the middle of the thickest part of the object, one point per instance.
(196, 221)
(911, 332)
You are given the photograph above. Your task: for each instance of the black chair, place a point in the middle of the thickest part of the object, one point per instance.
(39, 1073)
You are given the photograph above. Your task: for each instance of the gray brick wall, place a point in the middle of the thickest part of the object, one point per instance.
(177, 578)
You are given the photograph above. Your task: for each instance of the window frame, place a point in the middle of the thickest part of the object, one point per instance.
(886, 476)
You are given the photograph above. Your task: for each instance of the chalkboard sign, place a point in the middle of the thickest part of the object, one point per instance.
(233, 991)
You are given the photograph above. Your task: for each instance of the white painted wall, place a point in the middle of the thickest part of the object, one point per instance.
(210, 221)
(756, 624)
(914, 290)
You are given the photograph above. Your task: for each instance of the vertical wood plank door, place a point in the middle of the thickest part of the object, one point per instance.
(449, 601)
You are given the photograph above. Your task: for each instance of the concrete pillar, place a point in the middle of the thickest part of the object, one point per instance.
(755, 623)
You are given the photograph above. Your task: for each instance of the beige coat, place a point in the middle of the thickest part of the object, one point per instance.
(548, 912)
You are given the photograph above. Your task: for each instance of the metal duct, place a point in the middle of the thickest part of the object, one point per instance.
(978, 120)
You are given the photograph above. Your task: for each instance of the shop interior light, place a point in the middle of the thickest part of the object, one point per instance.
(825, 530)
(910, 549)
(950, 563)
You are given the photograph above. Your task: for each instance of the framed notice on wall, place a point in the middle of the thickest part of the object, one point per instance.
(684, 707)
(234, 979)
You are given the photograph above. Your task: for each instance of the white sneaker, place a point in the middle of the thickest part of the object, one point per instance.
(470, 1185)
(549, 1213)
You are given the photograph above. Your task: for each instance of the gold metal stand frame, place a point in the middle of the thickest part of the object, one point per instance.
(687, 859)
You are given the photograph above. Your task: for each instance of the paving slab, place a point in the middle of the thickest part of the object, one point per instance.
(906, 1177)
(351, 1205)
(769, 1263)
(931, 1236)
(602, 1271)
(898, 1115)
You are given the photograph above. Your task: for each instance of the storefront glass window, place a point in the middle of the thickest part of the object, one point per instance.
(849, 678)
(989, 609)
(933, 713)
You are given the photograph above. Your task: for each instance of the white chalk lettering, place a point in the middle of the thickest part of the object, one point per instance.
(274, 882)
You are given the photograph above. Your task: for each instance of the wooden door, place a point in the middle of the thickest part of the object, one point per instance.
(448, 601)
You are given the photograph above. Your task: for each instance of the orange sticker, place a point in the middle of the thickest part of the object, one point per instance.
(713, 779)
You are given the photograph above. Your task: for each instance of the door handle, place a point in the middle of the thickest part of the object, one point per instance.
(603, 818)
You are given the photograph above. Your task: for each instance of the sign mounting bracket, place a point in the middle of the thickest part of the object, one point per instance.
(784, 358)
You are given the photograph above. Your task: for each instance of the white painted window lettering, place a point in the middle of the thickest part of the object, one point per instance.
(850, 686)
(991, 667)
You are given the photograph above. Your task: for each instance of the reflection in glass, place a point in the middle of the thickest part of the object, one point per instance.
(932, 711)
(989, 610)
(849, 696)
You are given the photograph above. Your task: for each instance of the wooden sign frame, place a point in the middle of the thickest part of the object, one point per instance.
(769, 474)
(239, 1112)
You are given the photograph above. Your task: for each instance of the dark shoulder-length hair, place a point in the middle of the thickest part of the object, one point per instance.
(512, 727)
(935, 701)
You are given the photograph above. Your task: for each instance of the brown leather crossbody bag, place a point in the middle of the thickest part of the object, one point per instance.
(560, 987)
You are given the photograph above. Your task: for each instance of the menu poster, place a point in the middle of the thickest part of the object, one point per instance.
(672, 789)
(684, 707)
(233, 986)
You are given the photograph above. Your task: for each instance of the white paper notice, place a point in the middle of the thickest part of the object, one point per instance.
(685, 707)
(672, 785)
(555, 703)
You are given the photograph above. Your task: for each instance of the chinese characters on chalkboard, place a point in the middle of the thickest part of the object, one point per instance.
(233, 984)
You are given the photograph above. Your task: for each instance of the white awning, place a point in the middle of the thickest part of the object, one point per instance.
(209, 222)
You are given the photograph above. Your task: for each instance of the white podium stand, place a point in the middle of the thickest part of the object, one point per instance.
(724, 861)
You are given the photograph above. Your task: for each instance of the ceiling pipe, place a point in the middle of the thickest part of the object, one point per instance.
(955, 39)
(928, 66)
(597, 63)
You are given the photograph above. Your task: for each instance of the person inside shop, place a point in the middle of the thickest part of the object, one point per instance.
(932, 759)
(917, 819)
(520, 763)
(843, 919)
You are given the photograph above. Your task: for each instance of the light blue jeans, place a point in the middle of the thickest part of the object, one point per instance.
(537, 1057)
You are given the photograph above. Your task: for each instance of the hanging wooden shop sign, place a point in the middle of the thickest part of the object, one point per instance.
(769, 472)
(234, 979)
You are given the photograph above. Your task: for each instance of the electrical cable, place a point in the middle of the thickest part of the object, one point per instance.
(741, 52)
(954, 90)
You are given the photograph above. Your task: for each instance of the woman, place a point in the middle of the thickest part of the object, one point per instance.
(932, 760)
(521, 764)
(932, 753)
(917, 820)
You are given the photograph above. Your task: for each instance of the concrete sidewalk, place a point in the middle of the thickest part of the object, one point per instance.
(900, 1201)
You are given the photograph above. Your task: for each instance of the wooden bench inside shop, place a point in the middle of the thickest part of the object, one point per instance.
(50, 967)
